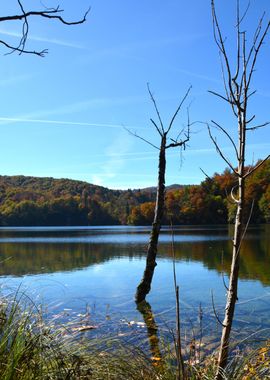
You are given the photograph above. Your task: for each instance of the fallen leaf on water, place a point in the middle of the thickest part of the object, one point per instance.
(139, 324)
(156, 358)
(84, 328)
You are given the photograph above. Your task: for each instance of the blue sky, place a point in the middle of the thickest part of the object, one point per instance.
(64, 115)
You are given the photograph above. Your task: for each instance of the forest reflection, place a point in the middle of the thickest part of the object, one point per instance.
(210, 247)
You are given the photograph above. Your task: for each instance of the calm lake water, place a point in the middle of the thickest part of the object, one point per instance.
(72, 271)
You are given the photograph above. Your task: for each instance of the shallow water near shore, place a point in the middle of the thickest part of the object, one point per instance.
(90, 274)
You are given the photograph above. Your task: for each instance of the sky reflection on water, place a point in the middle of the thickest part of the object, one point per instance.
(75, 268)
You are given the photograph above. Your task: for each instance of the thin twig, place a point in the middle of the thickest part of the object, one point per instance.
(228, 136)
(220, 151)
(156, 108)
(258, 126)
(214, 309)
(178, 108)
(180, 360)
(222, 271)
(256, 167)
(141, 138)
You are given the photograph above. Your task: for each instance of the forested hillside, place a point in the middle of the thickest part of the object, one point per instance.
(31, 201)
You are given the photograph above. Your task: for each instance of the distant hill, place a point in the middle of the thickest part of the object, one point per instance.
(153, 189)
(34, 201)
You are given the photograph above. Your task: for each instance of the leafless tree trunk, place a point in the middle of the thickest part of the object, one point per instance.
(24, 16)
(145, 285)
(237, 95)
(152, 331)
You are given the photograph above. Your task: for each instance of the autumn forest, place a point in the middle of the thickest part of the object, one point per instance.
(32, 201)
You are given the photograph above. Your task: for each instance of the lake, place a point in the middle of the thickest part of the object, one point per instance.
(92, 273)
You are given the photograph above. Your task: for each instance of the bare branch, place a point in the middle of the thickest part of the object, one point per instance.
(176, 143)
(232, 196)
(141, 138)
(13, 48)
(214, 309)
(256, 167)
(251, 94)
(227, 134)
(251, 119)
(25, 29)
(221, 96)
(180, 143)
(244, 14)
(255, 39)
(256, 51)
(220, 43)
(178, 109)
(257, 126)
(229, 97)
(220, 151)
(238, 46)
(50, 13)
(156, 108)
(189, 124)
(179, 134)
(206, 175)
(222, 272)
(157, 128)
(228, 197)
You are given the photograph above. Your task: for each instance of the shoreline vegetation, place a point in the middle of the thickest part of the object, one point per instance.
(32, 201)
(32, 347)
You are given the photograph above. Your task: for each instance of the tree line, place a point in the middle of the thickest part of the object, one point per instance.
(32, 201)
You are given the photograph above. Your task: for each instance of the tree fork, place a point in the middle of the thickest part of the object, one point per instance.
(144, 286)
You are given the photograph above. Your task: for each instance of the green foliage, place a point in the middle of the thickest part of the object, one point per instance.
(30, 201)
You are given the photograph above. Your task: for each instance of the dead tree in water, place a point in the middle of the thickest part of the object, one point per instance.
(237, 94)
(55, 13)
(165, 143)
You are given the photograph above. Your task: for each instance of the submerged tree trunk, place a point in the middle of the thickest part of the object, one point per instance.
(152, 331)
(145, 285)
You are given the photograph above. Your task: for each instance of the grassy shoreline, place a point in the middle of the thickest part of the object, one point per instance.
(31, 348)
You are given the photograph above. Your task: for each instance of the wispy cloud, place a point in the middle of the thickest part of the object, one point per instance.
(118, 157)
(42, 39)
(132, 48)
(15, 80)
(40, 116)
(192, 74)
(111, 168)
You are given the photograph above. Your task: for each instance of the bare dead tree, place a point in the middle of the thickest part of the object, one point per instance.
(237, 78)
(24, 16)
(165, 143)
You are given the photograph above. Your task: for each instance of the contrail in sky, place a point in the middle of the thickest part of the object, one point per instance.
(42, 39)
(61, 122)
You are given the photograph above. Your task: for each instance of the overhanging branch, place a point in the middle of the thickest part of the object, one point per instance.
(24, 16)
